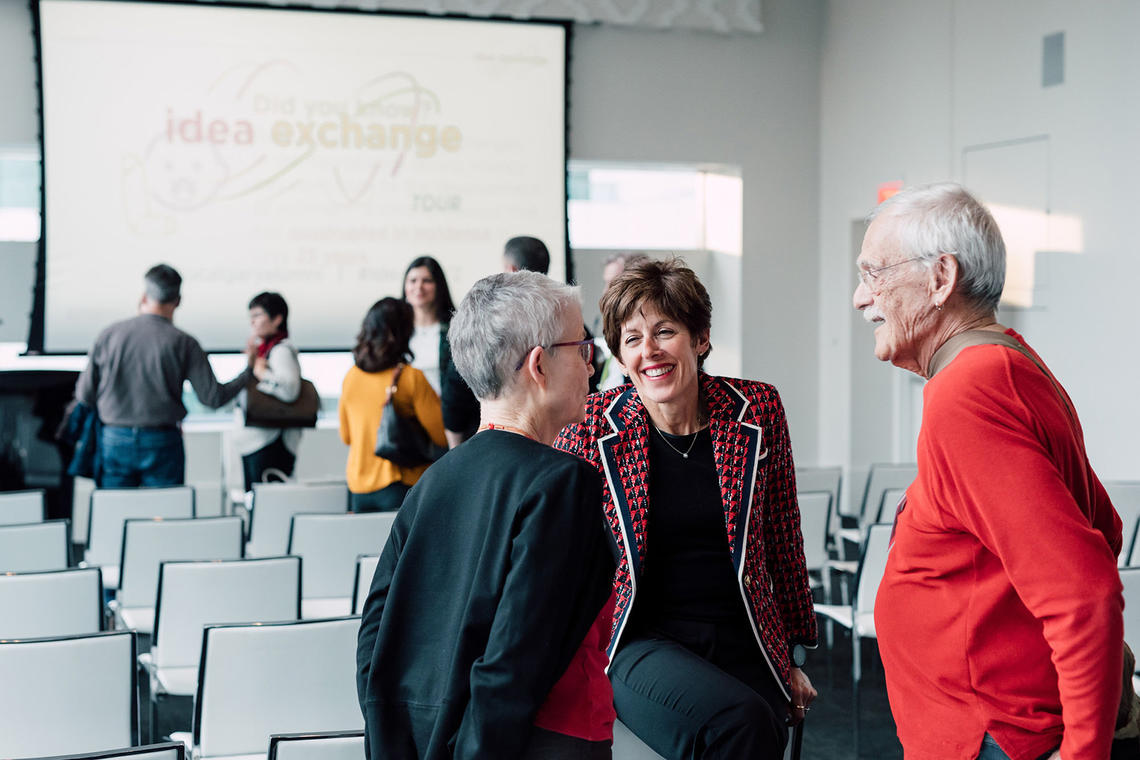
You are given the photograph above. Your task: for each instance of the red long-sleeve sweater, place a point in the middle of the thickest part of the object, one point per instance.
(1001, 607)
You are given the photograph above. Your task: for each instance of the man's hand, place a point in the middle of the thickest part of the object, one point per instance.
(803, 694)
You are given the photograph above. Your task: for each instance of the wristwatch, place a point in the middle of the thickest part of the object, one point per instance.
(799, 655)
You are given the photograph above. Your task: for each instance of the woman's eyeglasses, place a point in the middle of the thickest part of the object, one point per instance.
(585, 350)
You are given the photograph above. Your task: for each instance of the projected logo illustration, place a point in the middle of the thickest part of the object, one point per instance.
(251, 135)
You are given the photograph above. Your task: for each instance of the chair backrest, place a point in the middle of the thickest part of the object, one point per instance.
(1125, 497)
(1130, 577)
(872, 565)
(323, 745)
(827, 479)
(146, 543)
(66, 695)
(888, 505)
(51, 603)
(111, 507)
(882, 477)
(163, 751)
(629, 746)
(278, 678)
(34, 547)
(365, 569)
(329, 546)
(18, 507)
(274, 505)
(815, 514)
(192, 595)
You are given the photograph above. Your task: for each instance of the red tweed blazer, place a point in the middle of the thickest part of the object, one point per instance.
(758, 487)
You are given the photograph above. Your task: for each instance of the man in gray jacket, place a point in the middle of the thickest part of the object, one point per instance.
(134, 379)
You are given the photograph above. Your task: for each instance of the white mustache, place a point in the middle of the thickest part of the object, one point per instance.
(872, 314)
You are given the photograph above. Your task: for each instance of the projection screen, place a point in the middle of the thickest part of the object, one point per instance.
(312, 153)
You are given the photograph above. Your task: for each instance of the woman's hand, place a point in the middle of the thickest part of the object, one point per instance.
(251, 348)
(260, 367)
(803, 694)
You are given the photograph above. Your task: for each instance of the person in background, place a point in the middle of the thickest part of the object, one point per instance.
(529, 254)
(375, 484)
(714, 612)
(425, 288)
(999, 616)
(616, 263)
(134, 379)
(483, 635)
(526, 254)
(611, 374)
(278, 371)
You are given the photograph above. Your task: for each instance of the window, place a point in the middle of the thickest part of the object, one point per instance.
(654, 208)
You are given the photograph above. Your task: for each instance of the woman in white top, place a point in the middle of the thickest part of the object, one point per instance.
(425, 289)
(278, 373)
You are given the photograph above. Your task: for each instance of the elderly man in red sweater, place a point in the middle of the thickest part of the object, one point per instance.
(1000, 613)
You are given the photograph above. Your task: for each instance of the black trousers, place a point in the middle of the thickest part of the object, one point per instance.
(700, 690)
(274, 454)
(549, 745)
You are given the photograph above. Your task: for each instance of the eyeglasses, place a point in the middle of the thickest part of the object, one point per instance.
(585, 350)
(871, 276)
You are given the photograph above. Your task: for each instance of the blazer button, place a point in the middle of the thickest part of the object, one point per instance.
(748, 581)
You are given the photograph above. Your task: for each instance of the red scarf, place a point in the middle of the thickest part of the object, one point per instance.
(267, 345)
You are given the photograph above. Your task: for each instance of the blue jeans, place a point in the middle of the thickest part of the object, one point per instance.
(991, 750)
(142, 457)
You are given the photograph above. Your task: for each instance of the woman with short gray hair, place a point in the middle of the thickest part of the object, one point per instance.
(485, 629)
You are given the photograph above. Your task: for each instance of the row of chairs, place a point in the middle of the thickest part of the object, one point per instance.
(267, 514)
(256, 679)
(329, 544)
(884, 487)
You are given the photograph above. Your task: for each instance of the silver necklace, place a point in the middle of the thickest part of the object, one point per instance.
(685, 453)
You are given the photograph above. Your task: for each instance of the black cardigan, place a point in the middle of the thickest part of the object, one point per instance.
(498, 563)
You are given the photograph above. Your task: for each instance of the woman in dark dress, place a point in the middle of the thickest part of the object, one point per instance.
(711, 623)
(484, 632)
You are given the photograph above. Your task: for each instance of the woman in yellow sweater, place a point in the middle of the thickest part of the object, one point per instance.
(375, 484)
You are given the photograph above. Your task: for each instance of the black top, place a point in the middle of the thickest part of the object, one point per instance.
(688, 570)
(496, 567)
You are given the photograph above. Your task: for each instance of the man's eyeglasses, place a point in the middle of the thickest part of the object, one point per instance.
(871, 276)
(585, 350)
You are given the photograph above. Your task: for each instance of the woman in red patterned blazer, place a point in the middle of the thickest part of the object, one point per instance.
(710, 626)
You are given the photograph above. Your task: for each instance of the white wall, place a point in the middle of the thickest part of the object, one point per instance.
(907, 88)
(751, 102)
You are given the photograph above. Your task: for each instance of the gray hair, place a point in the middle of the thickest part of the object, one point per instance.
(944, 218)
(499, 321)
(163, 284)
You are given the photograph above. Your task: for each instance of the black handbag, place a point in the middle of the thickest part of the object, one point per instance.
(263, 410)
(403, 440)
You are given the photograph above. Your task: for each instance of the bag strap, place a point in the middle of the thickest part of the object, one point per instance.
(951, 348)
(395, 382)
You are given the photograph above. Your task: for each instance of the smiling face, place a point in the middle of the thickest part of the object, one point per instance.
(419, 288)
(660, 356)
(895, 295)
